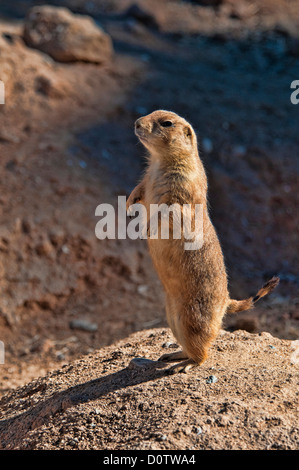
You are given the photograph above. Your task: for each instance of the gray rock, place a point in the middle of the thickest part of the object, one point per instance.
(211, 379)
(169, 344)
(82, 324)
(142, 362)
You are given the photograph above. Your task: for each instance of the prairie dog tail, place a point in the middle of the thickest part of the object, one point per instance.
(236, 306)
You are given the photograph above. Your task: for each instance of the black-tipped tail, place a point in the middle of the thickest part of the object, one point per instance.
(236, 306)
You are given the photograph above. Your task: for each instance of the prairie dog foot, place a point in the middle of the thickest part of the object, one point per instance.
(183, 366)
(175, 356)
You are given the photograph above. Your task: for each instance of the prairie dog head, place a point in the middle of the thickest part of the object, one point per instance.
(164, 133)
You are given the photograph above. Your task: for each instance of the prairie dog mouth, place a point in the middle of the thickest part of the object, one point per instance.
(141, 134)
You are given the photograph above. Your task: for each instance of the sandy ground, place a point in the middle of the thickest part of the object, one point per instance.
(244, 397)
(67, 144)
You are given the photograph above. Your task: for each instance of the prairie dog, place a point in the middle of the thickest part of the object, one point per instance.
(195, 282)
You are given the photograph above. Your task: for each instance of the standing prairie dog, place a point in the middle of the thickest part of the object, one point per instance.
(195, 282)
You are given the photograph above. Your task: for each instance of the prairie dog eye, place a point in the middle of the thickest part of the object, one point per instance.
(166, 124)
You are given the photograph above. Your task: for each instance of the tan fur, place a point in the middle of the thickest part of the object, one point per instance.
(195, 282)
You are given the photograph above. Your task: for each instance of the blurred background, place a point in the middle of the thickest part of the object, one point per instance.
(74, 86)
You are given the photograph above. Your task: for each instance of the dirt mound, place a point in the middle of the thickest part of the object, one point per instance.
(244, 397)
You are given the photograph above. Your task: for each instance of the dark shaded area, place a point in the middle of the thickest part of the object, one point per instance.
(72, 397)
(236, 94)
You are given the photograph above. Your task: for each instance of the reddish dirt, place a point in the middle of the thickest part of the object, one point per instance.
(67, 144)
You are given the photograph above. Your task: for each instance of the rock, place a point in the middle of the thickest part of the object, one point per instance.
(65, 249)
(7, 136)
(142, 362)
(211, 379)
(66, 37)
(82, 324)
(169, 344)
(162, 437)
(142, 289)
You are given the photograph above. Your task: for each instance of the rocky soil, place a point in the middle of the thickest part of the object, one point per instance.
(67, 145)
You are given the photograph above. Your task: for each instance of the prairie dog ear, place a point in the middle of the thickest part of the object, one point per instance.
(188, 131)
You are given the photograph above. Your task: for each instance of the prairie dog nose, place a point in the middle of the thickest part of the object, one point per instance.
(138, 123)
(142, 123)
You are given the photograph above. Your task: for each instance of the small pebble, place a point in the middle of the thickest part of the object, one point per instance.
(211, 379)
(6, 136)
(84, 325)
(142, 363)
(139, 362)
(167, 345)
(142, 289)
